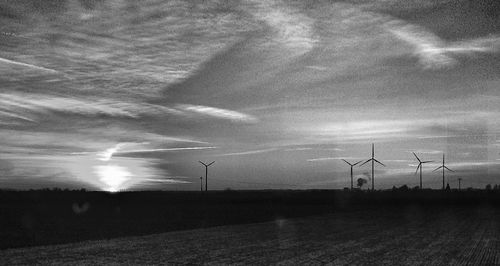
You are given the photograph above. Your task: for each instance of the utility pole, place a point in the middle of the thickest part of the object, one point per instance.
(206, 173)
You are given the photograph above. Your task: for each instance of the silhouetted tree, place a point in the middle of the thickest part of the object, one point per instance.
(361, 182)
(404, 188)
(448, 187)
(488, 187)
(495, 187)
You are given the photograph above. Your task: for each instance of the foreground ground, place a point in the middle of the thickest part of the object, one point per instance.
(409, 236)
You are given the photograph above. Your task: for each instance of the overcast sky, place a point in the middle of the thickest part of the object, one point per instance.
(116, 95)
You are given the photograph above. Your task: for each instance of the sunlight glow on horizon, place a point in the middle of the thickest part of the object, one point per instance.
(113, 176)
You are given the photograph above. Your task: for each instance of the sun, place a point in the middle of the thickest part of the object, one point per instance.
(112, 176)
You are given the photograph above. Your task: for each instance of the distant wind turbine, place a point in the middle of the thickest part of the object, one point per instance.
(206, 173)
(459, 183)
(373, 160)
(352, 165)
(443, 167)
(420, 163)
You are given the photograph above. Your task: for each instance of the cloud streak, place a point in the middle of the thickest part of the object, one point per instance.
(292, 29)
(218, 113)
(248, 152)
(435, 53)
(12, 62)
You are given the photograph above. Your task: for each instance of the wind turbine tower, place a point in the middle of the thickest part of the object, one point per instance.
(352, 165)
(459, 183)
(443, 167)
(373, 160)
(420, 163)
(206, 173)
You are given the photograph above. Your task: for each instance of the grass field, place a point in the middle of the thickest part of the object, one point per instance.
(415, 235)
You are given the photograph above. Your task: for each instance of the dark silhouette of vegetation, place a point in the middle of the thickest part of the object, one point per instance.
(361, 182)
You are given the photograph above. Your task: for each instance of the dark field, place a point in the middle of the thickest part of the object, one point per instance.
(413, 235)
(34, 218)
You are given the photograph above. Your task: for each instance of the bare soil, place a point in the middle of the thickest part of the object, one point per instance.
(414, 235)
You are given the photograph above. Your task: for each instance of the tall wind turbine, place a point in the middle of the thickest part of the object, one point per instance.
(443, 167)
(352, 165)
(206, 173)
(373, 160)
(420, 163)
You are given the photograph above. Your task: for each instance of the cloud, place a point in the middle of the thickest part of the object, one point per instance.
(125, 148)
(320, 68)
(218, 113)
(166, 150)
(391, 130)
(247, 152)
(426, 151)
(435, 53)
(89, 106)
(292, 29)
(12, 62)
(168, 181)
(332, 158)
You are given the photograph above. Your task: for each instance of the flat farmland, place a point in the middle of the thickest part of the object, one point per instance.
(406, 235)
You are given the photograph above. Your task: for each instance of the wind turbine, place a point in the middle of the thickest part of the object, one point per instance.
(420, 163)
(352, 165)
(443, 167)
(373, 160)
(206, 173)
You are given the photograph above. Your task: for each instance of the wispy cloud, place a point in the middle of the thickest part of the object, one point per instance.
(80, 105)
(332, 158)
(320, 68)
(299, 149)
(292, 28)
(432, 51)
(247, 152)
(218, 113)
(168, 181)
(127, 148)
(167, 149)
(425, 151)
(12, 62)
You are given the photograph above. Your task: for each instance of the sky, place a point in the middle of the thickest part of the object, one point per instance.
(129, 95)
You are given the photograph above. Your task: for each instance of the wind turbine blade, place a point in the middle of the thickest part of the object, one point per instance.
(448, 169)
(419, 165)
(416, 157)
(437, 168)
(378, 162)
(427, 161)
(356, 163)
(211, 163)
(346, 162)
(202, 163)
(365, 162)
